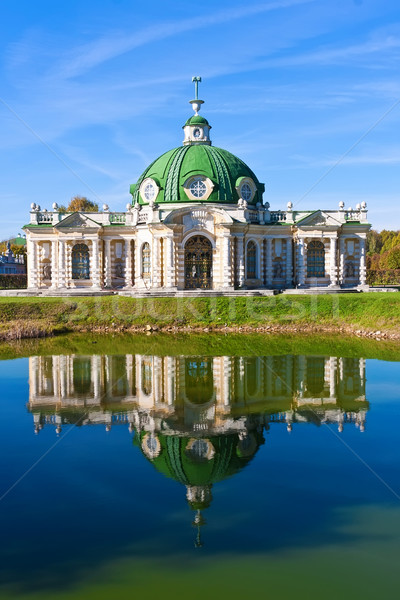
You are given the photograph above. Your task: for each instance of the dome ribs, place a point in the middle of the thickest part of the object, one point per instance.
(224, 186)
(172, 183)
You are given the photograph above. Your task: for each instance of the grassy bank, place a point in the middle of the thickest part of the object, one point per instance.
(353, 313)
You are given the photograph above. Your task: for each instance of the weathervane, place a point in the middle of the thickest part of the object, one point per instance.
(196, 103)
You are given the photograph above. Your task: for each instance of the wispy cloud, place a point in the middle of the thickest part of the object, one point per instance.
(87, 56)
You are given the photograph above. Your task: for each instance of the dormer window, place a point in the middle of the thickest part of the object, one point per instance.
(246, 192)
(246, 189)
(198, 187)
(149, 190)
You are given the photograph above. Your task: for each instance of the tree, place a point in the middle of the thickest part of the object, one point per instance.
(82, 204)
(393, 258)
(374, 242)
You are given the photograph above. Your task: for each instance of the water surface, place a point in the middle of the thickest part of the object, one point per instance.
(200, 473)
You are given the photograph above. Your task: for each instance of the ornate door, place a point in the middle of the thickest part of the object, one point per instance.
(80, 262)
(198, 263)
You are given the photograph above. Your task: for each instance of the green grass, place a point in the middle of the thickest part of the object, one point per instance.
(377, 311)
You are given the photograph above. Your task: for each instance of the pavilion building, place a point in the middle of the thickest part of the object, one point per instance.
(197, 221)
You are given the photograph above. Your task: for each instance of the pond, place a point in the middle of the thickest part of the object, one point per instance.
(199, 467)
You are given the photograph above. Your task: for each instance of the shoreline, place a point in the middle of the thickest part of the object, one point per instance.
(29, 331)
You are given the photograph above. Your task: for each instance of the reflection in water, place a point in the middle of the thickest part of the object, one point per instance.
(197, 419)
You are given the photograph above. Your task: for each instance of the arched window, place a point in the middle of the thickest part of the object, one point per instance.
(146, 260)
(251, 260)
(80, 262)
(316, 259)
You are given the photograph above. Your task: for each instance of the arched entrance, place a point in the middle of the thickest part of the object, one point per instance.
(80, 262)
(198, 263)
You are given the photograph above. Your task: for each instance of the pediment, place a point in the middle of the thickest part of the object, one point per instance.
(78, 221)
(319, 218)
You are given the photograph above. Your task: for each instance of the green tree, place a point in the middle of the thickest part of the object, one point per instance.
(82, 204)
(393, 258)
(374, 242)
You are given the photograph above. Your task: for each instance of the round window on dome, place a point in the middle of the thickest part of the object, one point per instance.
(246, 192)
(198, 188)
(149, 190)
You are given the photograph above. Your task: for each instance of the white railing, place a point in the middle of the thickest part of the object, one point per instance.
(118, 218)
(277, 216)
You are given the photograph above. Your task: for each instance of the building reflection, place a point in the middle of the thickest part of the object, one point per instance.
(197, 419)
(195, 393)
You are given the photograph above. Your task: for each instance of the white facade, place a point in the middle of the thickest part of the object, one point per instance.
(147, 248)
(197, 221)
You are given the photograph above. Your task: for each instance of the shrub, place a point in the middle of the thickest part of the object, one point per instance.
(13, 282)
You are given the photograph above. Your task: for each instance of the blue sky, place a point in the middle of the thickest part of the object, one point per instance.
(307, 92)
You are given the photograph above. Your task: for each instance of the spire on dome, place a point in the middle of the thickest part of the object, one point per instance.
(197, 129)
(196, 103)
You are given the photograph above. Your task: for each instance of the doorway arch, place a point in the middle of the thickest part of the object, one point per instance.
(198, 263)
(80, 262)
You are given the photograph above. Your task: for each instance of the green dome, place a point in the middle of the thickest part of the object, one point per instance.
(171, 170)
(197, 120)
(176, 461)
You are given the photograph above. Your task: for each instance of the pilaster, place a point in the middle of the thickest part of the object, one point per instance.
(301, 262)
(170, 262)
(269, 263)
(61, 264)
(54, 264)
(333, 270)
(289, 265)
(240, 260)
(363, 269)
(95, 274)
(341, 260)
(128, 264)
(32, 265)
(227, 261)
(107, 264)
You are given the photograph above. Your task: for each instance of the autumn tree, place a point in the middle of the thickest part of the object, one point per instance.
(82, 204)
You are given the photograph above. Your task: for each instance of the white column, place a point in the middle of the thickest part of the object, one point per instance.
(138, 264)
(289, 266)
(301, 262)
(333, 263)
(171, 374)
(54, 264)
(107, 263)
(56, 375)
(156, 379)
(61, 264)
(128, 263)
(95, 274)
(227, 262)
(170, 262)
(33, 265)
(269, 262)
(63, 376)
(240, 260)
(363, 270)
(227, 379)
(156, 259)
(33, 374)
(341, 260)
(332, 376)
(96, 365)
